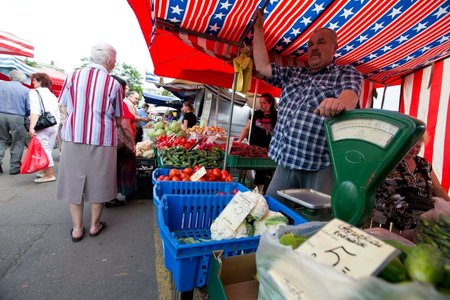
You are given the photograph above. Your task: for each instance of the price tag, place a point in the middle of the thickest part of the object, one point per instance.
(348, 249)
(199, 174)
(237, 210)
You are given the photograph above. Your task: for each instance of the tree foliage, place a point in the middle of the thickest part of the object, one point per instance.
(30, 63)
(127, 72)
(167, 93)
(131, 75)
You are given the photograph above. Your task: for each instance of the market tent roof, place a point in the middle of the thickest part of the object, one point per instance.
(161, 100)
(14, 45)
(196, 40)
(9, 63)
(57, 78)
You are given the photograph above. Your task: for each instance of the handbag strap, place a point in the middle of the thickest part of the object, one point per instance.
(41, 102)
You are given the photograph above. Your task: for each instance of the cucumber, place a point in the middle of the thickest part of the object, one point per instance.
(425, 263)
(394, 272)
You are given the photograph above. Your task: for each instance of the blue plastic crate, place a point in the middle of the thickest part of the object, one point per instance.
(194, 188)
(158, 172)
(182, 216)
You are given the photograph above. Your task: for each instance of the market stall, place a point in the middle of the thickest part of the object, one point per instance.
(385, 41)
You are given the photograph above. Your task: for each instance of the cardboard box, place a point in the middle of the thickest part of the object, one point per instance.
(232, 277)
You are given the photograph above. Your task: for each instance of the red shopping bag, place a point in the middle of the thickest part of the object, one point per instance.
(35, 159)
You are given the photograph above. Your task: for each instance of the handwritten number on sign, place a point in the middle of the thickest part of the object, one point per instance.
(335, 252)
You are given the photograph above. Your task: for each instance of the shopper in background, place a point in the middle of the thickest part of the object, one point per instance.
(262, 127)
(189, 118)
(14, 108)
(87, 168)
(309, 96)
(46, 136)
(406, 193)
(143, 113)
(126, 155)
(131, 100)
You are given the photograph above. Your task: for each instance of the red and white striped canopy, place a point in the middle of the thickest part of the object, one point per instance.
(385, 40)
(426, 96)
(13, 45)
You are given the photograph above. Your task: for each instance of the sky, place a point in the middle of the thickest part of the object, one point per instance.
(63, 31)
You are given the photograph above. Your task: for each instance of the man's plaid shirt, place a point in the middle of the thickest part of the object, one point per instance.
(299, 141)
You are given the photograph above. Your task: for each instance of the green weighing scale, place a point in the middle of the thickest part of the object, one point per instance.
(365, 146)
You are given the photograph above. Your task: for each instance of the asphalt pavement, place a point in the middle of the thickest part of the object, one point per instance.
(38, 260)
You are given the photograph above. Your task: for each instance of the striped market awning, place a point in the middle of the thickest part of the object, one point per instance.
(385, 40)
(13, 45)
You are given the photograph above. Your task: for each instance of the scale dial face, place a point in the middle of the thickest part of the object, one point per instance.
(373, 131)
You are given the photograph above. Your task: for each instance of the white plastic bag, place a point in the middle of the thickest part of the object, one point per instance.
(285, 274)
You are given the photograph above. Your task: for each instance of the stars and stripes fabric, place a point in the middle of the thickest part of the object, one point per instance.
(94, 100)
(384, 40)
(13, 45)
(426, 96)
(366, 96)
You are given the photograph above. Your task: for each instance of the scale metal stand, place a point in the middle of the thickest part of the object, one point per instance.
(364, 146)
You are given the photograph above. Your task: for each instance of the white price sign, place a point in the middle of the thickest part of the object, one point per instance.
(237, 210)
(199, 174)
(348, 249)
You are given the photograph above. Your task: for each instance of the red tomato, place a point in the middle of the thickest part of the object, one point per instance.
(229, 178)
(161, 177)
(196, 168)
(217, 173)
(176, 178)
(188, 171)
(174, 172)
(202, 179)
(184, 176)
(224, 173)
(210, 177)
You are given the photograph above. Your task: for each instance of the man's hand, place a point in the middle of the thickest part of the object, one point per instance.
(259, 20)
(330, 107)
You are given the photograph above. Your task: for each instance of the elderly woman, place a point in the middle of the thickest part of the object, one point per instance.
(87, 167)
(407, 193)
(42, 98)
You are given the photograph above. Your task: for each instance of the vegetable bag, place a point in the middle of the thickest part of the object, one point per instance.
(286, 274)
(35, 159)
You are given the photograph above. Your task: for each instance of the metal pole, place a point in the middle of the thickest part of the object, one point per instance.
(217, 105)
(382, 99)
(253, 110)
(227, 146)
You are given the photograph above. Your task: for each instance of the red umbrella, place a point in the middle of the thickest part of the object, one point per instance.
(13, 45)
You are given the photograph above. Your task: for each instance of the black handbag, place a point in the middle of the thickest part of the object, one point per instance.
(46, 119)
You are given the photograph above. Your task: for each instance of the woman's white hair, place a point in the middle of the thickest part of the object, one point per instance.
(16, 75)
(101, 53)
